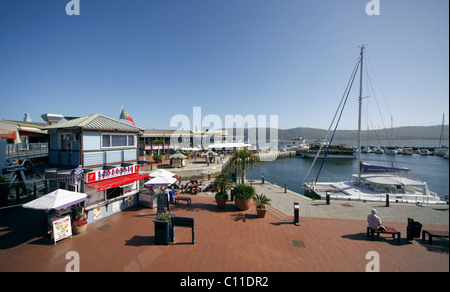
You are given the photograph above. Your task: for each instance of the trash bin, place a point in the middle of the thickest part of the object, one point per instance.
(413, 230)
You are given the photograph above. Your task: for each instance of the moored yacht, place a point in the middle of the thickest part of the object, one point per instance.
(372, 182)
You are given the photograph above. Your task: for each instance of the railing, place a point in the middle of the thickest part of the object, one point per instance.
(26, 149)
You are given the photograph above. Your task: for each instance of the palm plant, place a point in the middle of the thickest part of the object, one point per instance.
(261, 200)
(243, 157)
(223, 182)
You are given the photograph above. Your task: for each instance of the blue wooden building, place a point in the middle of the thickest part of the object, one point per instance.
(96, 155)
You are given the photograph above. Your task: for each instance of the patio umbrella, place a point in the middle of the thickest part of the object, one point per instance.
(57, 200)
(161, 181)
(162, 172)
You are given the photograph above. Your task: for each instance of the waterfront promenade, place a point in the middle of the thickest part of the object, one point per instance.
(227, 240)
(328, 238)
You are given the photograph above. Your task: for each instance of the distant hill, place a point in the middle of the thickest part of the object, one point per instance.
(400, 133)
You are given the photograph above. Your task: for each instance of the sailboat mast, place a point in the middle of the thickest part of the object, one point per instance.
(359, 114)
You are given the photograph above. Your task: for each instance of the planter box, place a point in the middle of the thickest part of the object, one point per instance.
(243, 204)
(221, 203)
(261, 212)
(163, 232)
(79, 229)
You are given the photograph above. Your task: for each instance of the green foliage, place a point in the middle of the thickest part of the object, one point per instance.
(163, 217)
(242, 191)
(222, 195)
(223, 182)
(261, 200)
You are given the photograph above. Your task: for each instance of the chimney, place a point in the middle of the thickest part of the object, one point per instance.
(52, 118)
(27, 118)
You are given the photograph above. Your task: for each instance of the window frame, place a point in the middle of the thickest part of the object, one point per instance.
(128, 140)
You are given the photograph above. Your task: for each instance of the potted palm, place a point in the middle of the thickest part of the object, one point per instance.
(261, 201)
(243, 196)
(221, 199)
(163, 229)
(79, 225)
(222, 183)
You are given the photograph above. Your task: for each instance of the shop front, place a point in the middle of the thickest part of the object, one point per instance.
(111, 190)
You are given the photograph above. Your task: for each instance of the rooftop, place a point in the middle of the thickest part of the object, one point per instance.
(95, 122)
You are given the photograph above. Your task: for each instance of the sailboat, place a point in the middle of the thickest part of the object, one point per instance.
(442, 149)
(372, 183)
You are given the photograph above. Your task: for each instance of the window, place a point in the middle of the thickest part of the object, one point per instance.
(114, 192)
(106, 140)
(119, 140)
(111, 140)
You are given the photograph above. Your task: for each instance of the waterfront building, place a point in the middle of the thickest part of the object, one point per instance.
(96, 155)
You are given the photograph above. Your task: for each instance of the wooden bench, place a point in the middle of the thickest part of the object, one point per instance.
(187, 200)
(184, 222)
(389, 230)
(435, 233)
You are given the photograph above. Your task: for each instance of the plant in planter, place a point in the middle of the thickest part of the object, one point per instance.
(243, 196)
(158, 158)
(221, 199)
(222, 183)
(79, 225)
(163, 229)
(261, 201)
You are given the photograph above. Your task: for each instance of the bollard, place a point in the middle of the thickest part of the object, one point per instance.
(387, 200)
(296, 210)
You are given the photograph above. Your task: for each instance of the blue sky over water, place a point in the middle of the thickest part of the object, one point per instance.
(291, 58)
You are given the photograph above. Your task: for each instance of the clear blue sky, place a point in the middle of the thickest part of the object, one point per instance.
(159, 58)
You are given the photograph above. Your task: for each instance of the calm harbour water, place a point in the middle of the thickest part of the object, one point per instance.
(292, 171)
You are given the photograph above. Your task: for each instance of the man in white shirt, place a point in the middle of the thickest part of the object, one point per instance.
(374, 221)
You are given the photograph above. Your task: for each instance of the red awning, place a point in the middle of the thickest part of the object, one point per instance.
(116, 182)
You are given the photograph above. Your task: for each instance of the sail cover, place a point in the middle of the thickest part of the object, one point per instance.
(369, 168)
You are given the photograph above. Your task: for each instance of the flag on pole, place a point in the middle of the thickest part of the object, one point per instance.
(125, 115)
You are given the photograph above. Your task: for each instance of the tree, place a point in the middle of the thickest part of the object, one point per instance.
(223, 182)
(242, 157)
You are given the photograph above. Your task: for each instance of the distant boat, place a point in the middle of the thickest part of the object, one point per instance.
(446, 154)
(391, 151)
(442, 149)
(424, 152)
(372, 183)
(378, 150)
(407, 151)
(330, 151)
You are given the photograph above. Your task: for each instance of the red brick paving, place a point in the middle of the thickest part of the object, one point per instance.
(227, 241)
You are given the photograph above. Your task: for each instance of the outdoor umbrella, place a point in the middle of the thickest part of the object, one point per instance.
(162, 172)
(160, 180)
(57, 200)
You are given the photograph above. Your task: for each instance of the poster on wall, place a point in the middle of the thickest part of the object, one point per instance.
(116, 207)
(61, 228)
(97, 213)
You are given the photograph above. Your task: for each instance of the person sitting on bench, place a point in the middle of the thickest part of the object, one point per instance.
(374, 221)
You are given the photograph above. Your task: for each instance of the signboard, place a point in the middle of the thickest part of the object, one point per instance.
(61, 228)
(110, 173)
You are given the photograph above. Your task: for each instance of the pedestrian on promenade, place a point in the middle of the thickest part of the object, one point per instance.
(374, 221)
(262, 178)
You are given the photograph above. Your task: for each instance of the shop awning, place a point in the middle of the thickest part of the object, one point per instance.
(116, 182)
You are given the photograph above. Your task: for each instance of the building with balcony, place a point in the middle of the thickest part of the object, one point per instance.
(96, 155)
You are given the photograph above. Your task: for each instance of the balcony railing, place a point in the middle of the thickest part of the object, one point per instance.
(26, 149)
